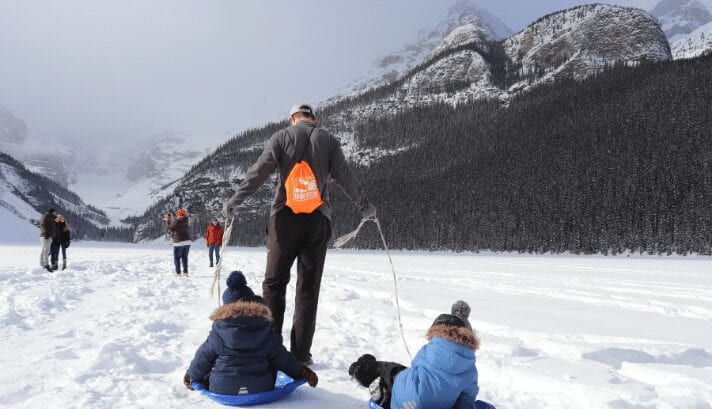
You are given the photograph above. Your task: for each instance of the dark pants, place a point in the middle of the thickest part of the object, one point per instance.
(303, 237)
(54, 253)
(214, 248)
(180, 254)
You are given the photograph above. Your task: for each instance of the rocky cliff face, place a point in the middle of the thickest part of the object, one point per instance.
(580, 41)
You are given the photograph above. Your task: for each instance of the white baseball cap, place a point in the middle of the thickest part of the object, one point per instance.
(304, 108)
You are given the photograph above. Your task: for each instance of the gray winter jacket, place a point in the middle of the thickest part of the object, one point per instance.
(283, 151)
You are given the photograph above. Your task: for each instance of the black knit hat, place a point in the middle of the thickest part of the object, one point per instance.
(449, 320)
(236, 288)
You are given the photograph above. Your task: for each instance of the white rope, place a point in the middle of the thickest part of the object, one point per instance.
(348, 237)
(218, 265)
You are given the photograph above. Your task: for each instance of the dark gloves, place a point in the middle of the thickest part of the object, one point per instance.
(186, 381)
(369, 212)
(310, 376)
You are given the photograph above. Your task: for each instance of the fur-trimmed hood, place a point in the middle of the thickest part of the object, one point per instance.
(242, 309)
(458, 335)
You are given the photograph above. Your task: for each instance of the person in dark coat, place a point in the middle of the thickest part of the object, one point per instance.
(442, 375)
(62, 241)
(48, 231)
(242, 354)
(179, 228)
(236, 288)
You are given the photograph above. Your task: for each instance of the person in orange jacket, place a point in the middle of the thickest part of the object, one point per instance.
(213, 238)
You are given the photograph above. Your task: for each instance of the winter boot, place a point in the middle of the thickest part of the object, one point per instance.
(55, 267)
(64, 264)
(48, 268)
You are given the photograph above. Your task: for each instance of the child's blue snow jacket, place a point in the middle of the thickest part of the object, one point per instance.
(443, 373)
(242, 354)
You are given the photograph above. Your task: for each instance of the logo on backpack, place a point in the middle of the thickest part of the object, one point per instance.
(303, 195)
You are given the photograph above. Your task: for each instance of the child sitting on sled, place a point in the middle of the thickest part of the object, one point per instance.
(442, 375)
(242, 354)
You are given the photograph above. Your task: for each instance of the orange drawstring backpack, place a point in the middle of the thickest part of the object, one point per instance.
(303, 195)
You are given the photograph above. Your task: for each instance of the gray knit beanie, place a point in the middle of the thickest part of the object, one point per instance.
(462, 311)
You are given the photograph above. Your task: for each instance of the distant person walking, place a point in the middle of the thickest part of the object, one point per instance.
(213, 238)
(48, 231)
(301, 234)
(62, 241)
(179, 228)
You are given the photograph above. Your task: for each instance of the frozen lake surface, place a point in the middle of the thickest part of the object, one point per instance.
(118, 330)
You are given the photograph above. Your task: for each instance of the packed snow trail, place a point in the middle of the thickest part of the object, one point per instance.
(118, 330)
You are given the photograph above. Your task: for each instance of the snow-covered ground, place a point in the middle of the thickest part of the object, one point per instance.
(117, 330)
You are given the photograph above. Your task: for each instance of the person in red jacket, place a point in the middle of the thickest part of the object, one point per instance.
(213, 238)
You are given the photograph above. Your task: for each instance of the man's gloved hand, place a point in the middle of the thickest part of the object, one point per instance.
(229, 210)
(369, 212)
(310, 376)
(186, 381)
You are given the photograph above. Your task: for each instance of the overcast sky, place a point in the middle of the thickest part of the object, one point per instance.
(115, 70)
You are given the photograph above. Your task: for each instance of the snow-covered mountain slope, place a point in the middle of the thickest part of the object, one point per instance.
(583, 40)
(116, 330)
(679, 18)
(574, 43)
(128, 183)
(17, 229)
(695, 44)
(124, 180)
(12, 129)
(393, 66)
(26, 195)
(40, 155)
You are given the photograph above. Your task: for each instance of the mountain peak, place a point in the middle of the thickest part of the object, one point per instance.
(464, 11)
(462, 7)
(679, 18)
(393, 66)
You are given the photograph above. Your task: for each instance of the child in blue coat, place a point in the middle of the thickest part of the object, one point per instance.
(442, 375)
(242, 354)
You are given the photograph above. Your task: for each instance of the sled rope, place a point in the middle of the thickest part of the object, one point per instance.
(348, 237)
(218, 265)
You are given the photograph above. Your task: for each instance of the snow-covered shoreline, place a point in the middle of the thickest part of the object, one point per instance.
(117, 330)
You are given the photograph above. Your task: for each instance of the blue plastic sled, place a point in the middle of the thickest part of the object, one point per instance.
(478, 405)
(282, 387)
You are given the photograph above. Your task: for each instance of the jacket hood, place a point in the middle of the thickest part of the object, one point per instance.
(449, 356)
(242, 309)
(242, 324)
(459, 335)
